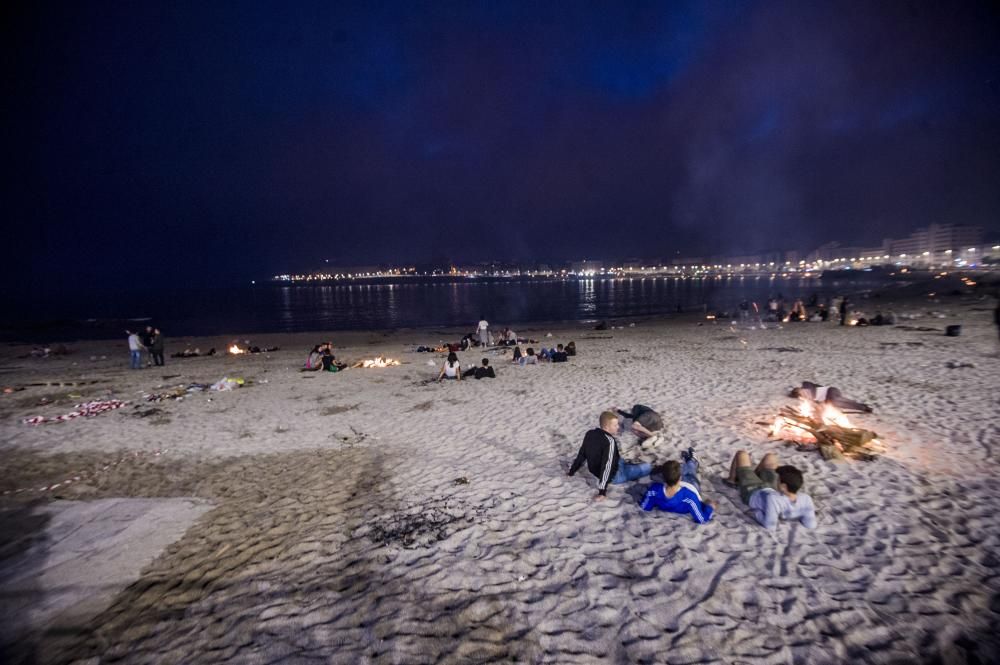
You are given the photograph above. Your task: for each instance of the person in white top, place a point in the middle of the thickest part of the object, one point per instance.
(135, 348)
(452, 369)
(483, 329)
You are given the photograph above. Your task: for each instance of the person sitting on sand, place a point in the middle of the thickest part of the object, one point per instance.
(645, 421)
(571, 349)
(772, 491)
(600, 451)
(530, 358)
(451, 369)
(680, 491)
(314, 361)
(828, 395)
(559, 355)
(517, 355)
(330, 363)
(484, 371)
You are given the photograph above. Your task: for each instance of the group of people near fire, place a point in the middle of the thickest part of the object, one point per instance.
(773, 491)
(776, 310)
(482, 337)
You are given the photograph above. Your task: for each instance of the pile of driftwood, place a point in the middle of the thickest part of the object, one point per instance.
(834, 442)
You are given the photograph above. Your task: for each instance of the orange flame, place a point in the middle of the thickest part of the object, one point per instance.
(235, 350)
(379, 362)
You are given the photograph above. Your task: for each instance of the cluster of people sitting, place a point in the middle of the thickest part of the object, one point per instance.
(776, 311)
(559, 354)
(321, 358)
(772, 491)
(452, 369)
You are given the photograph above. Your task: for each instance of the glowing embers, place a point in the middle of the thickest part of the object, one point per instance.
(376, 362)
(826, 427)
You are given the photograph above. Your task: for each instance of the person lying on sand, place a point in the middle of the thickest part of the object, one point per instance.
(600, 451)
(828, 395)
(645, 421)
(680, 491)
(451, 369)
(771, 491)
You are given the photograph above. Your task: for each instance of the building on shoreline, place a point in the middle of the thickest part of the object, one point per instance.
(938, 246)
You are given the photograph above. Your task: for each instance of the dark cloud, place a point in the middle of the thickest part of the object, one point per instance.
(172, 140)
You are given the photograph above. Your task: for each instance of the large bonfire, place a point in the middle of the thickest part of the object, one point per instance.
(826, 427)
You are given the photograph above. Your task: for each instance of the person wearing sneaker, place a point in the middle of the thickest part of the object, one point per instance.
(680, 492)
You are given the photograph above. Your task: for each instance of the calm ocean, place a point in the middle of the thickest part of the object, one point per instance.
(405, 303)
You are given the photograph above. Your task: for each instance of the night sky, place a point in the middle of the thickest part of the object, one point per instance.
(154, 144)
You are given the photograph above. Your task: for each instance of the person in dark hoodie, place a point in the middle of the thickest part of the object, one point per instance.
(600, 451)
(484, 371)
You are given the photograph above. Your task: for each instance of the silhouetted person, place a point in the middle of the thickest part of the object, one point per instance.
(843, 311)
(156, 347)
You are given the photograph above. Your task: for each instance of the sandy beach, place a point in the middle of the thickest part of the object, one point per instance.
(376, 516)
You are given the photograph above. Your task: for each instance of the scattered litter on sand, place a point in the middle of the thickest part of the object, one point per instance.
(85, 410)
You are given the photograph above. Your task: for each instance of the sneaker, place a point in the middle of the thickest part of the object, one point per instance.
(688, 455)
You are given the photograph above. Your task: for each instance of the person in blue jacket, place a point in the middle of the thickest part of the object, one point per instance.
(680, 492)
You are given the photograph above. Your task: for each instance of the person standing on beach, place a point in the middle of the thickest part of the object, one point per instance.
(600, 451)
(135, 349)
(156, 347)
(483, 330)
(146, 337)
(843, 311)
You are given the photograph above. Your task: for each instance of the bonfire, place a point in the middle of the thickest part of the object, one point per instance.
(376, 362)
(235, 350)
(826, 427)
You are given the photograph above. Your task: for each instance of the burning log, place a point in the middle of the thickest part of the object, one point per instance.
(829, 429)
(376, 362)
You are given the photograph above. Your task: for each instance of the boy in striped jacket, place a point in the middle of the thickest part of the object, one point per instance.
(680, 492)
